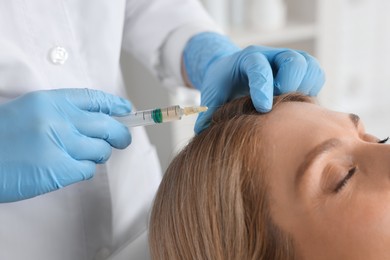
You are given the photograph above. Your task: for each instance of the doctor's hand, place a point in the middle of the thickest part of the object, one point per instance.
(51, 139)
(222, 72)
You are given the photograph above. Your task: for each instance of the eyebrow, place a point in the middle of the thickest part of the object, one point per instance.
(320, 149)
(355, 119)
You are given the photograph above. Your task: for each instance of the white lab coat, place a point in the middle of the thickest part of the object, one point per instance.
(105, 217)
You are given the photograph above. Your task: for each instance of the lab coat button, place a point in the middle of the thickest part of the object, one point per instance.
(58, 55)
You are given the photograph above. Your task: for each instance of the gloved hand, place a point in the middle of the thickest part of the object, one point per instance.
(50, 139)
(222, 72)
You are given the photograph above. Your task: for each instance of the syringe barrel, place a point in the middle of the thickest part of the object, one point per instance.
(152, 116)
(171, 113)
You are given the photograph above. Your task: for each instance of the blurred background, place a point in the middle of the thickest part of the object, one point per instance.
(350, 38)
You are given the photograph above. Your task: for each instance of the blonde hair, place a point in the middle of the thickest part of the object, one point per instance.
(213, 201)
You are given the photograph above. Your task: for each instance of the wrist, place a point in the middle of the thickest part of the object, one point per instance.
(201, 51)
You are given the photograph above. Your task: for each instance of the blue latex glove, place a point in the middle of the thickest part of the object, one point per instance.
(222, 72)
(50, 139)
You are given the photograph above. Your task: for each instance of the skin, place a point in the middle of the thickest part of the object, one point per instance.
(326, 222)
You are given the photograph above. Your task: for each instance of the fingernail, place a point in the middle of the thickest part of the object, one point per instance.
(265, 107)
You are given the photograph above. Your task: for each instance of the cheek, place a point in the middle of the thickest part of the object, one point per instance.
(357, 227)
(371, 218)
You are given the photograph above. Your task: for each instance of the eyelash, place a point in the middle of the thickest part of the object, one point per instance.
(383, 140)
(352, 171)
(341, 184)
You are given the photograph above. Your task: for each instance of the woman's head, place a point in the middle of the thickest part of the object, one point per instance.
(212, 202)
(299, 182)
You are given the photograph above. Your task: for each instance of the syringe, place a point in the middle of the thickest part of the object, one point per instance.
(158, 115)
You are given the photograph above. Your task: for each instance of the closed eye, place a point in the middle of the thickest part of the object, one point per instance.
(345, 180)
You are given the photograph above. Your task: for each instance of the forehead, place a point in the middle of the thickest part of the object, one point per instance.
(297, 119)
(292, 130)
(300, 118)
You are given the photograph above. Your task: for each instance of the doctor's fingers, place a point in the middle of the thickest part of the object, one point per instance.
(290, 68)
(77, 171)
(102, 126)
(314, 78)
(260, 79)
(83, 148)
(95, 101)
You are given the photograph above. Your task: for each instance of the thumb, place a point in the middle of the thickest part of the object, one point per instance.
(95, 101)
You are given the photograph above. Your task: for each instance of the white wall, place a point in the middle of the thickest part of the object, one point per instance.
(353, 49)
